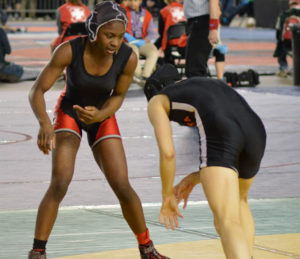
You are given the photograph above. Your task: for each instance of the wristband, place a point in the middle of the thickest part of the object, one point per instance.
(213, 24)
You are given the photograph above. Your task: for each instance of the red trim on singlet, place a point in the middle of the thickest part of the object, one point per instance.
(64, 121)
(108, 127)
(61, 97)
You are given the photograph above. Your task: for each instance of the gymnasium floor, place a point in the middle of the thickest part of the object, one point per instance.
(90, 223)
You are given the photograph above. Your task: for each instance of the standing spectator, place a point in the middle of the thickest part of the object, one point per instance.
(100, 68)
(244, 7)
(285, 21)
(219, 51)
(73, 12)
(141, 35)
(29, 5)
(168, 16)
(226, 6)
(202, 30)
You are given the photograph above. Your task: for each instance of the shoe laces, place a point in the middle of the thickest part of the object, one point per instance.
(36, 255)
(151, 253)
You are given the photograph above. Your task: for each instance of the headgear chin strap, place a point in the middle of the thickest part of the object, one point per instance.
(103, 13)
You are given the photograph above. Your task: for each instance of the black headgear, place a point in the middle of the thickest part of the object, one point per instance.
(161, 77)
(103, 13)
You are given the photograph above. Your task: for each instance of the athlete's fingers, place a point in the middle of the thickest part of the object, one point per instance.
(79, 110)
(178, 212)
(41, 145)
(77, 107)
(185, 202)
(166, 222)
(48, 142)
(160, 218)
(163, 219)
(89, 108)
(171, 222)
(175, 222)
(41, 142)
(53, 141)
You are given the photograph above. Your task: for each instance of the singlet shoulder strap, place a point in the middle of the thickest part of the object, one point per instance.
(77, 46)
(124, 54)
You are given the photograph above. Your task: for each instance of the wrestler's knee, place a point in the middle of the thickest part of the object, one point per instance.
(59, 187)
(124, 191)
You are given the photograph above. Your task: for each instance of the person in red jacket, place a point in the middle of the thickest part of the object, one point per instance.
(72, 12)
(141, 35)
(168, 16)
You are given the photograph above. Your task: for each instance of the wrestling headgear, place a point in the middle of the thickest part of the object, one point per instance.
(160, 78)
(103, 13)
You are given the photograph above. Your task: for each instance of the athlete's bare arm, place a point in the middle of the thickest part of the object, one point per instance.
(61, 58)
(214, 13)
(158, 108)
(184, 188)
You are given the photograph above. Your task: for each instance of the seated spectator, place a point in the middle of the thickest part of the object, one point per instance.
(285, 21)
(140, 36)
(8, 29)
(153, 6)
(168, 16)
(9, 72)
(70, 19)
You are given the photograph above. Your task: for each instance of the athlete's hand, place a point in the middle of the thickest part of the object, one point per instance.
(88, 114)
(169, 212)
(184, 188)
(46, 137)
(213, 37)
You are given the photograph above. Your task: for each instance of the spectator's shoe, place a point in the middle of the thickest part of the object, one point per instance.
(282, 73)
(148, 251)
(251, 23)
(36, 255)
(136, 79)
(139, 80)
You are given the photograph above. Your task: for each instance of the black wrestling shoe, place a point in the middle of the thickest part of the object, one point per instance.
(148, 251)
(36, 255)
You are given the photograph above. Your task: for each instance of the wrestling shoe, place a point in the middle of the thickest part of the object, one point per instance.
(148, 251)
(36, 255)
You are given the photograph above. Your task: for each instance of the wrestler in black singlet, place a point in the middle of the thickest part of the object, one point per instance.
(231, 133)
(87, 90)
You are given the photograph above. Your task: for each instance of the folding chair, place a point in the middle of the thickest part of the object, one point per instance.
(175, 52)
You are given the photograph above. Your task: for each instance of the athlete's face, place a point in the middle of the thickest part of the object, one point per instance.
(110, 36)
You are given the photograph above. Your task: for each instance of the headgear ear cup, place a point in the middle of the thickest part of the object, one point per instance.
(152, 87)
(161, 77)
(103, 13)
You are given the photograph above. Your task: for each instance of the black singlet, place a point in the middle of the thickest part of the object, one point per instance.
(85, 89)
(230, 133)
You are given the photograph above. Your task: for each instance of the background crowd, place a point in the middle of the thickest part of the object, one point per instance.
(158, 30)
